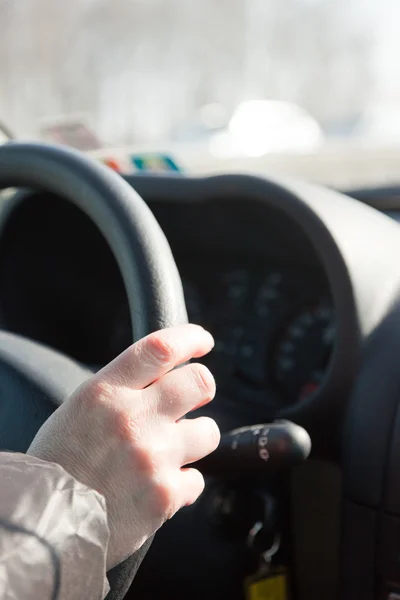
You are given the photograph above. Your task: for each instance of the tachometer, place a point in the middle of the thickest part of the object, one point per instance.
(303, 352)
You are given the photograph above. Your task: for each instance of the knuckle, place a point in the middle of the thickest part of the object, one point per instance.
(161, 349)
(126, 427)
(204, 380)
(165, 503)
(145, 463)
(96, 392)
(132, 352)
(172, 391)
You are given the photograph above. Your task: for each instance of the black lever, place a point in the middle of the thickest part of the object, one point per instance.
(258, 449)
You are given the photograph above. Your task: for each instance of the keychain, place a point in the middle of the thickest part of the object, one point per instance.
(270, 582)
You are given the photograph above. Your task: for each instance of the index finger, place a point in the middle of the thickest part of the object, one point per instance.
(157, 354)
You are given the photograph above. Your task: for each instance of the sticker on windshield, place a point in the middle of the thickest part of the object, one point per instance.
(154, 163)
(113, 164)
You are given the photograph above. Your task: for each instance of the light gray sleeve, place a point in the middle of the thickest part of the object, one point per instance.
(53, 533)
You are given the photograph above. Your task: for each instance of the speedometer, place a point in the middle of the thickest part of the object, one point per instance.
(303, 351)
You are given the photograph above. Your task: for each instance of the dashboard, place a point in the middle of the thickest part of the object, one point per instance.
(251, 275)
(256, 285)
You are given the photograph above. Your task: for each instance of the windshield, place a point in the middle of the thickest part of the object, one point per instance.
(309, 88)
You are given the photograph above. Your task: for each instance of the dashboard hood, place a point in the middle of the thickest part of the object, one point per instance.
(341, 165)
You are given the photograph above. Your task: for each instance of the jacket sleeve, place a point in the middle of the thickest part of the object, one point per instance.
(53, 533)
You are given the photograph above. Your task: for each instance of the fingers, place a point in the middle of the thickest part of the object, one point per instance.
(192, 482)
(181, 391)
(157, 354)
(198, 437)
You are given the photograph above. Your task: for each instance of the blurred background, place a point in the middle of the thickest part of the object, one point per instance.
(309, 88)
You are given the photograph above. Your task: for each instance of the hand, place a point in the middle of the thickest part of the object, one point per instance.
(120, 433)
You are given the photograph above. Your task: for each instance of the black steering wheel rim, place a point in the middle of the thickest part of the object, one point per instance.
(151, 278)
(141, 250)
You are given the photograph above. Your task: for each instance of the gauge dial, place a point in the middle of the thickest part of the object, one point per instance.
(303, 352)
(234, 292)
(269, 294)
(246, 309)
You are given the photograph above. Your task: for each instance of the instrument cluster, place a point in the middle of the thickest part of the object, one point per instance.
(274, 329)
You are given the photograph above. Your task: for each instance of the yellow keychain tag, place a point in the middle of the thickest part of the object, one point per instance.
(272, 585)
(269, 582)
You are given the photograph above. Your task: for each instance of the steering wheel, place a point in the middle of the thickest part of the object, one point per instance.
(34, 379)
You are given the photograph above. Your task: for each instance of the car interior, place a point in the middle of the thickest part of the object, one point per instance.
(300, 286)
